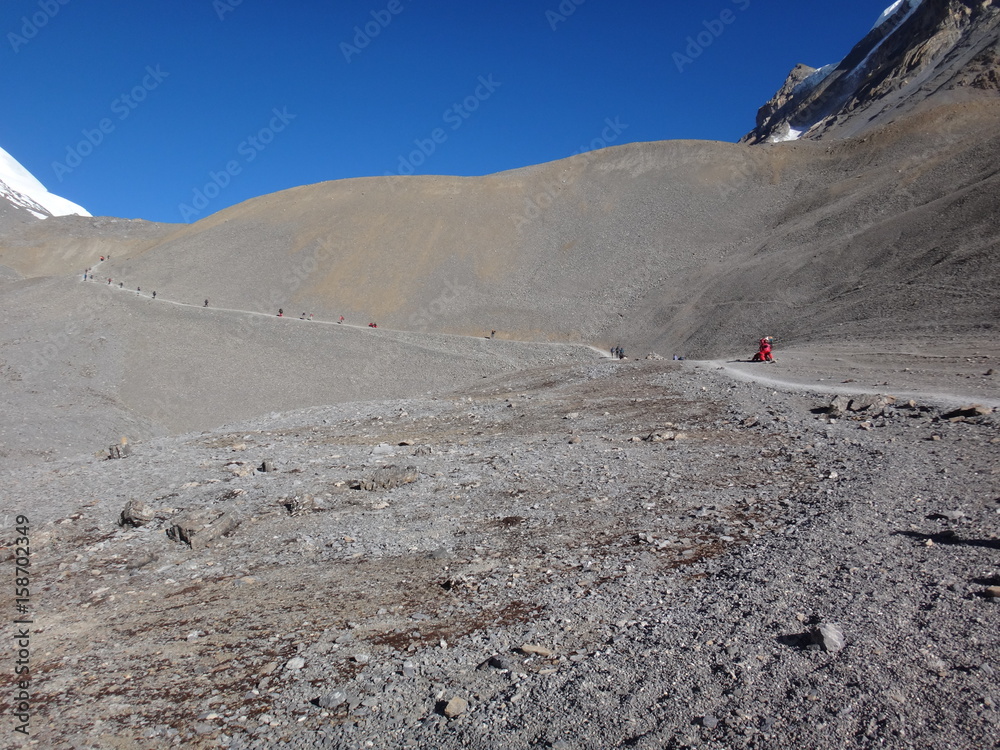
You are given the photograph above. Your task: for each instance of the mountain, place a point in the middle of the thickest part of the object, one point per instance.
(22, 191)
(919, 54)
(882, 241)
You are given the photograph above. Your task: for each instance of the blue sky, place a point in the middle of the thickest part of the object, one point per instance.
(136, 109)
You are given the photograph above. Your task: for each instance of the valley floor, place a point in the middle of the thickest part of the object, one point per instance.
(614, 554)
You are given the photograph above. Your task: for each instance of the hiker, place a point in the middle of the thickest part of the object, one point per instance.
(493, 334)
(341, 319)
(109, 280)
(281, 313)
(302, 316)
(206, 303)
(121, 284)
(102, 259)
(764, 352)
(310, 316)
(154, 294)
(138, 289)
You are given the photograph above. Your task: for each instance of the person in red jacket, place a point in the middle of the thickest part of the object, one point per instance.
(764, 353)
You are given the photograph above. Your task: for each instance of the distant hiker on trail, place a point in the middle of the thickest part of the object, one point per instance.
(206, 303)
(302, 316)
(493, 334)
(102, 258)
(310, 316)
(764, 353)
(154, 294)
(109, 279)
(121, 284)
(281, 313)
(138, 289)
(341, 319)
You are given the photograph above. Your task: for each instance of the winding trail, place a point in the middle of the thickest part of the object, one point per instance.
(824, 388)
(101, 282)
(758, 374)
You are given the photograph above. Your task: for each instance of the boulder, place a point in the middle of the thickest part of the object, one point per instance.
(387, 478)
(136, 513)
(199, 528)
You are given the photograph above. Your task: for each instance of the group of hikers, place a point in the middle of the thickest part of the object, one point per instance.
(763, 354)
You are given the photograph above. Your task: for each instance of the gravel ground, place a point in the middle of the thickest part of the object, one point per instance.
(610, 554)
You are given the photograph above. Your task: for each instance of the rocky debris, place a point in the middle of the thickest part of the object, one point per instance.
(300, 504)
(665, 436)
(967, 412)
(388, 478)
(267, 467)
(240, 468)
(199, 528)
(136, 513)
(122, 449)
(331, 699)
(637, 584)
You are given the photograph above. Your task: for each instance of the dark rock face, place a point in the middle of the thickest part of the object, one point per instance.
(939, 49)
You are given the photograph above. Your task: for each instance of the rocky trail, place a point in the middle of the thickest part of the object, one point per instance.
(619, 554)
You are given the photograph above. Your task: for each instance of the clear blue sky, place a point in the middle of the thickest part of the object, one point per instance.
(176, 91)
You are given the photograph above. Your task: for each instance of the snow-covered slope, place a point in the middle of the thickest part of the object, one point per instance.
(23, 190)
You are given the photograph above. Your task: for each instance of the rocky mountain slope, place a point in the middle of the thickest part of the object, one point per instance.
(325, 535)
(923, 53)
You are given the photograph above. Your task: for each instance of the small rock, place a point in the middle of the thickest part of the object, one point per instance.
(136, 513)
(829, 637)
(992, 592)
(295, 663)
(535, 650)
(709, 721)
(387, 478)
(332, 699)
(455, 707)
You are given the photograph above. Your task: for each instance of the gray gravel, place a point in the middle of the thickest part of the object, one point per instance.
(636, 554)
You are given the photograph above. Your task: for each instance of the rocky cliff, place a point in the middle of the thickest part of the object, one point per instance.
(921, 53)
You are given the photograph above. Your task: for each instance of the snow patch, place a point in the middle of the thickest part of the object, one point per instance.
(814, 79)
(887, 13)
(23, 189)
